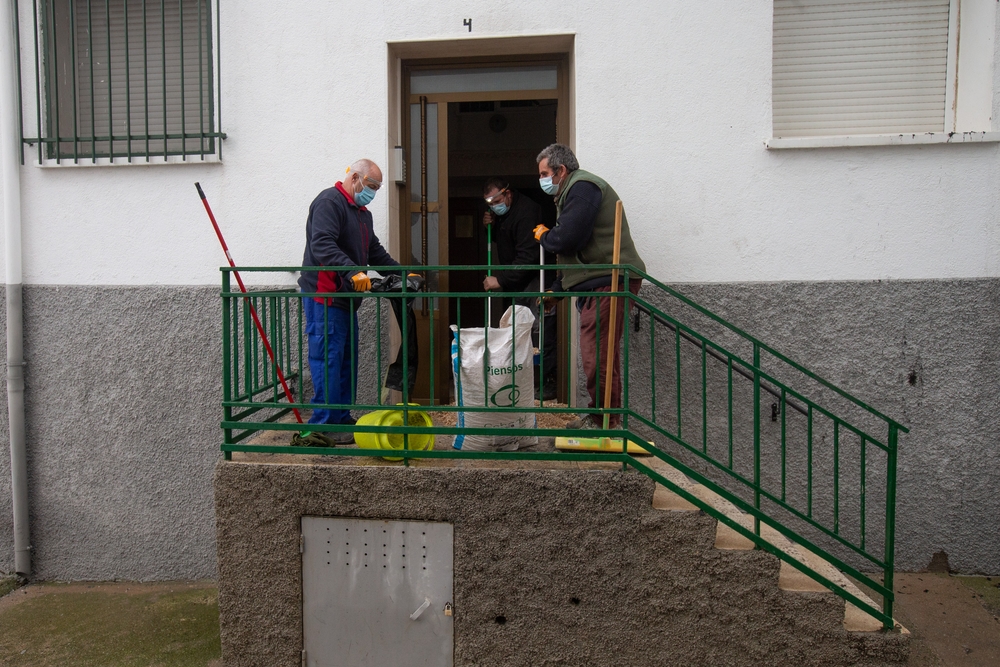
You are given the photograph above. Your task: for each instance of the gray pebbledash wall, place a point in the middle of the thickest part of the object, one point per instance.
(122, 400)
(124, 385)
(922, 352)
(551, 567)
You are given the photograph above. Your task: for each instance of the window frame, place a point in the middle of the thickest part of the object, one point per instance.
(41, 103)
(968, 89)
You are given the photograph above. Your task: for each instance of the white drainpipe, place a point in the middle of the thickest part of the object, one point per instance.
(10, 167)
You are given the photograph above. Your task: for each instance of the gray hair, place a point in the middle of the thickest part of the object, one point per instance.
(558, 155)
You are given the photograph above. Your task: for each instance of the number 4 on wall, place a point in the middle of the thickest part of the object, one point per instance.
(468, 23)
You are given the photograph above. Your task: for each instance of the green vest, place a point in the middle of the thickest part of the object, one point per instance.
(600, 249)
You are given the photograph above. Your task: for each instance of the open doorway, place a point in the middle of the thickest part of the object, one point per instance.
(463, 123)
(491, 139)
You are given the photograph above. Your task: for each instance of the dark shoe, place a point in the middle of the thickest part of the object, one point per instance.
(341, 437)
(549, 392)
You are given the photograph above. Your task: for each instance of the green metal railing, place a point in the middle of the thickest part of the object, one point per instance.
(818, 467)
(129, 79)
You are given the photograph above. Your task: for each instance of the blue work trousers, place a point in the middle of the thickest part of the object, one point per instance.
(333, 358)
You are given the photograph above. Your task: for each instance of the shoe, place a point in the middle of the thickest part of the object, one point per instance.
(340, 437)
(350, 420)
(549, 392)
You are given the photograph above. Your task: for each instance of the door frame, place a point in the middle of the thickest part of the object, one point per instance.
(405, 58)
(560, 94)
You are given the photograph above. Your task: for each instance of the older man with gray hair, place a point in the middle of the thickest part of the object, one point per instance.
(339, 232)
(584, 235)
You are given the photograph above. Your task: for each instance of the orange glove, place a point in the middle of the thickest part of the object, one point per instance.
(540, 231)
(360, 282)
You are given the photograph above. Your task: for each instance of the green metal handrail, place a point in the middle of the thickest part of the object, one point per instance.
(253, 401)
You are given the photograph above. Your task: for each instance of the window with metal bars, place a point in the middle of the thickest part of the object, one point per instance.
(125, 80)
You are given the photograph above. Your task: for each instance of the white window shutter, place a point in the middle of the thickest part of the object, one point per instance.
(151, 53)
(848, 67)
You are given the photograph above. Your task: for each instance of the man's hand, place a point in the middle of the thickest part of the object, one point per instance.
(550, 302)
(539, 231)
(360, 282)
(488, 219)
(414, 282)
(491, 284)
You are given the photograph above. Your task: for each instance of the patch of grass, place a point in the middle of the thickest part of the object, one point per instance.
(149, 626)
(7, 584)
(987, 590)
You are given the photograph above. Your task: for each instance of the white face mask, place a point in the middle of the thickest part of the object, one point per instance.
(366, 195)
(548, 186)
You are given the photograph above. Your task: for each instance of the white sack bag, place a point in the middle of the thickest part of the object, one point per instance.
(505, 380)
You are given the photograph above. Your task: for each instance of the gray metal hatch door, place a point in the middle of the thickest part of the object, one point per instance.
(377, 593)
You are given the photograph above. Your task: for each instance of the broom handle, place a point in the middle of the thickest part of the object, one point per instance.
(253, 311)
(489, 272)
(614, 313)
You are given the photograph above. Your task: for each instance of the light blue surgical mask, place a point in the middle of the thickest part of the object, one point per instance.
(500, 208)
(364, 197)
(548, 186)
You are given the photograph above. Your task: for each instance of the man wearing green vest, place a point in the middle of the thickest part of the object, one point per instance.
(583, 235)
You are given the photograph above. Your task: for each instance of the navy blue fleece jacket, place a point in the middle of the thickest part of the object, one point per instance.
(339, 233)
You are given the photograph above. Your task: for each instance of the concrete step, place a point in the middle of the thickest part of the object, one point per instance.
(789, 578)
(665, 499)
(728, 539)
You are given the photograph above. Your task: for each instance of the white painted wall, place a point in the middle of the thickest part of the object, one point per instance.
(673, 108)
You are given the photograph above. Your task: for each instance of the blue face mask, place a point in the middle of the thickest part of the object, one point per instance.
(548, 186)
(364, 197)
(500, 208)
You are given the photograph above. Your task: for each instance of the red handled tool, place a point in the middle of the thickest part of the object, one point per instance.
(253, 311)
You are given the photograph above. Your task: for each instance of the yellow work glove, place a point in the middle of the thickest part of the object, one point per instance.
(540, 231)
(360, 282)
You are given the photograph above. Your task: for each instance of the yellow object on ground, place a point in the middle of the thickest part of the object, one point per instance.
(598, 445)
(418, 441)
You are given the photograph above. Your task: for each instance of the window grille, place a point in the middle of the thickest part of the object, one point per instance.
(125, 80)
(843, 67)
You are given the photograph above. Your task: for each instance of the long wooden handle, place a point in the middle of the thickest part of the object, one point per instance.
(616, 255)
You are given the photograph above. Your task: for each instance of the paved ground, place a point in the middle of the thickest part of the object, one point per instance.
(954, 621)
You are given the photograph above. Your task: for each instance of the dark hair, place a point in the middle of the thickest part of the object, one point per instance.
(558, 155)
(495, 183)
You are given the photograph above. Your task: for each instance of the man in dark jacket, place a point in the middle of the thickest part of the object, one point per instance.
(513, 217)
(584, 235)
(339, 232)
